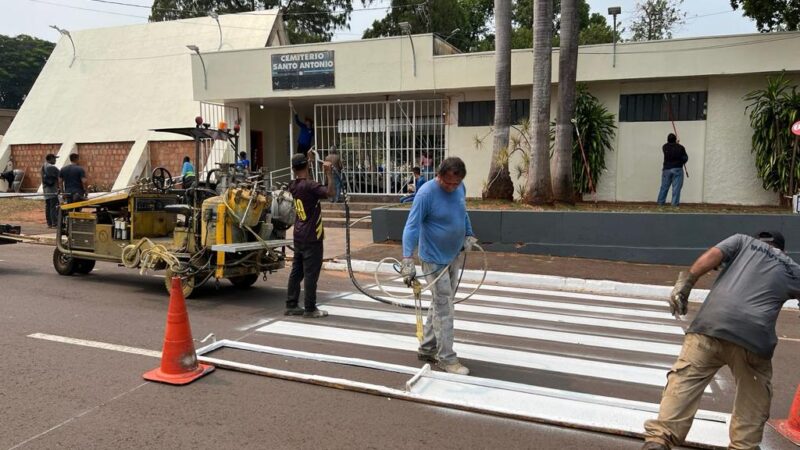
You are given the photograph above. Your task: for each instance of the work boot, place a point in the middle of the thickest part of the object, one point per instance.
(652, 445)
(294, 311)
(426, 356)
(456, 368)
(315, 314)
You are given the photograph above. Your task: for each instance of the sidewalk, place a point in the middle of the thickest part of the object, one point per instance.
(363, 249)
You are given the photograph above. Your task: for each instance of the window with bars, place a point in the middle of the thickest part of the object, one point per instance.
(481, 114)
(678, 106)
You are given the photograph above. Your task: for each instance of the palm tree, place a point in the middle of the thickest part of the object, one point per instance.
(499, 185)
(538, 189)
(567, 68)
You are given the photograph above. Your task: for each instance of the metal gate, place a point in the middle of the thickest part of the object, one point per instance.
(214, 152)
(380, 142)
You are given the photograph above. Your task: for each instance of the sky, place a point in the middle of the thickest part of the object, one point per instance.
(34, 17)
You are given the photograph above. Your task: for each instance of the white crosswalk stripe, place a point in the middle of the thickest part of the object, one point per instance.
(520, 332)
(552, 304)
(548, 317)
(550, 339)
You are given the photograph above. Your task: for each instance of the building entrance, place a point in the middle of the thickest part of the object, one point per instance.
(380, 142)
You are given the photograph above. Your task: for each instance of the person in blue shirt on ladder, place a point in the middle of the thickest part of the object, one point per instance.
(306, 137)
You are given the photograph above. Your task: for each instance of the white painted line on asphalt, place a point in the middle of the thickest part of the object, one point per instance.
(551, 304)
(96, 344)
(77, 416)
(521, 332)
(789, 339)
(547, 317)
(552, 363)
(255, 324)
(576, 295)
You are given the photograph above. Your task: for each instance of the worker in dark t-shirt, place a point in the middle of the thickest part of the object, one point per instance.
(675, 158)
(308, 236)
(735, 327)
(74, 178)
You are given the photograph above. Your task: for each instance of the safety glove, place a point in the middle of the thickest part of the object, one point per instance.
(469, 243)
(679, 298)
(408, 271)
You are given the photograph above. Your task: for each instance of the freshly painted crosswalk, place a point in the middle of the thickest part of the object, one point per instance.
(577, 339)
(589, 340)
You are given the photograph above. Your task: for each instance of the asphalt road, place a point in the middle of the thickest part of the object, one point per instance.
(57, 395)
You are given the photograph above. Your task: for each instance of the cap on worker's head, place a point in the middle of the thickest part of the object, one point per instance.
(299, 161)
(774, 238)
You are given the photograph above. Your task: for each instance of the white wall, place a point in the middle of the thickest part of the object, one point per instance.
(730, 165)
(125, 81)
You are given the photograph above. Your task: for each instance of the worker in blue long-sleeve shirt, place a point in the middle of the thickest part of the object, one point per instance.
(439, 225)
(306, 137)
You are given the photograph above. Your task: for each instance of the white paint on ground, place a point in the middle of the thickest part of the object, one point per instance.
(546, 317)
(255, 324)
(562, 294)
(96, 344)
(520, 332)
(551, 305)
(561, 364)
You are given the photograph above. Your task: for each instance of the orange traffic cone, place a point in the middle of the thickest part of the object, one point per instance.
(178, 358)
(790, 428)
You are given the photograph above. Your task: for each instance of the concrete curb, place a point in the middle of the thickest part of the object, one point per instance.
(600, 287)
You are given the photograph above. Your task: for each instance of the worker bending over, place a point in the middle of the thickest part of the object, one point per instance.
(735, 327)
(438, 223)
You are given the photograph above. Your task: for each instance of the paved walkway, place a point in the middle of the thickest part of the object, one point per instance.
(363, 248)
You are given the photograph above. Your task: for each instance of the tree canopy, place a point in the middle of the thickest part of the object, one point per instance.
(655, 19)
(306, 20)
(771, 15)
(462, 22)
(593, 27)
(465, 23)
(21, 59)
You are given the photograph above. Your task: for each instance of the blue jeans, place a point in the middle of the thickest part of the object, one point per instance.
(438, 334)
(338, 183)
(673, 177)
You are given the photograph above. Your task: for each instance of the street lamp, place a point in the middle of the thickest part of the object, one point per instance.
(69, 36)
(405, 27)
(452, 33)
(614, 11)
(215, 16)
(196, 49)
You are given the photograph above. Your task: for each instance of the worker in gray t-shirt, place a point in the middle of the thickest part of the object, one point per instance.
(735, 327)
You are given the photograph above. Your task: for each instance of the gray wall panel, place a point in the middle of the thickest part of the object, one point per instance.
(669, 238)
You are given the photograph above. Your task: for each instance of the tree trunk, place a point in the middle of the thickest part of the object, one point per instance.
(567, 69)
(499, 185)
(538, 189)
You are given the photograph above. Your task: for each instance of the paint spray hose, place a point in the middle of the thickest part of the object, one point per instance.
(396, 300)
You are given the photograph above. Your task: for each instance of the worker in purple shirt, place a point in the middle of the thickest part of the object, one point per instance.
(308, 235)
(439, 225)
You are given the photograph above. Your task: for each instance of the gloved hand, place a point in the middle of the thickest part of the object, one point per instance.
(408, 271)
(469, 243)
(679, 298)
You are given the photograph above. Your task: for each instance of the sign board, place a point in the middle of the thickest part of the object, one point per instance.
(796, 128)
(308, 70)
